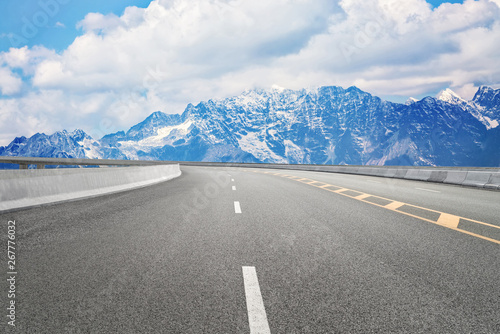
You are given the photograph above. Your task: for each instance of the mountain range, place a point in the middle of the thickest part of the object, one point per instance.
(326, 125)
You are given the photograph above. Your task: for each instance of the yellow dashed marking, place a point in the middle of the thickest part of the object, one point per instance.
(445, 219)
(305, 180)
(448, 220)
(362, 196)
(394, 205)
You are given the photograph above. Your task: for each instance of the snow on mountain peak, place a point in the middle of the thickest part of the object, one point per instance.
(321, 125)
(449, 96)
(278, 88)
(410, 100)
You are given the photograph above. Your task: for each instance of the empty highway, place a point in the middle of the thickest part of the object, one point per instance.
(239, 250)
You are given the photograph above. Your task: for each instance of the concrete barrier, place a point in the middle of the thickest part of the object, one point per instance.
(412, 174)
(455, 177)
(493, 182)
(437, 176)
(400, 173)
(389, 172)
(418, 174)
(476, 179)
(369, 171)
(25, 188)
(487, 177)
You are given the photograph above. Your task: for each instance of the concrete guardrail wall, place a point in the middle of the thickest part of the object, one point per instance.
(488, 178)
(26, 188)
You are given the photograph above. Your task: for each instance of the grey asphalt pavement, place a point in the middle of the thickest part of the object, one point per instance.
(168, 258)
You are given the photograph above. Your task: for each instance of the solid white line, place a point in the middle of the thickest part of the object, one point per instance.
(257, 318)
(237, 207)
(432, 191)
(234, 187)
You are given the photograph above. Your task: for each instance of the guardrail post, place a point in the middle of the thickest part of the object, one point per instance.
(40, 166)
(23, 166)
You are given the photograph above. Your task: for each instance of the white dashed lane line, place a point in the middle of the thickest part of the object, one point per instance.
(234, 187)
(257, 318)
(429, 190)
(237, 207)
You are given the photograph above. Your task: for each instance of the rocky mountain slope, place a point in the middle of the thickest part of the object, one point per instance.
(327, 125)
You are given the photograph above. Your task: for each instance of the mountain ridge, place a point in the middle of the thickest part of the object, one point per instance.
(323, 125)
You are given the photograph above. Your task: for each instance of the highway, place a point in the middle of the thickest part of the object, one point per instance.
(239, 250)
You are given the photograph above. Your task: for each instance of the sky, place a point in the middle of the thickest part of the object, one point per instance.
(104, 66)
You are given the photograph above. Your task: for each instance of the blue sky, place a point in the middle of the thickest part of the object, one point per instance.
(103, 66)
(436, 3)
(62, 17)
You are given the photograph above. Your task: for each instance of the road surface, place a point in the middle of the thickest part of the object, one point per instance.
(232, 250)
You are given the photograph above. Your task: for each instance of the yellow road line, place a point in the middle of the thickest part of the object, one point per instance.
(362, 196)
(394, 205)
(448, 220)
(445, 219)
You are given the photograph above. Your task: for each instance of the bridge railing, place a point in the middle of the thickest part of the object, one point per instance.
(24, 162)
(482, 177)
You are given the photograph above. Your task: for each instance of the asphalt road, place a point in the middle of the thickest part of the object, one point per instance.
(169, 258)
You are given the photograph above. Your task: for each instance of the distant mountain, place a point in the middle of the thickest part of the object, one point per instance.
(327, 125)
(61, 144)
(488, 101)
(150, 126)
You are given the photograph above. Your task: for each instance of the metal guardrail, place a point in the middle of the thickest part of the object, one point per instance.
(24, 162)
(327, 168)
(483, 177)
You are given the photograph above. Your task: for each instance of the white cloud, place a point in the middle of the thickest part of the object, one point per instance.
(26, 59)
(99, 22)
(183, 51)
(387, 47)
(9, 83)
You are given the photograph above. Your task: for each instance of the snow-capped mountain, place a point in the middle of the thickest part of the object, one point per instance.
(410, 101)
(485, 106)
(326, 125)
(449, 96)
(62, 144)
(487, 103)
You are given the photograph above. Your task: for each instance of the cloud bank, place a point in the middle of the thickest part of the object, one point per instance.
(122, 68)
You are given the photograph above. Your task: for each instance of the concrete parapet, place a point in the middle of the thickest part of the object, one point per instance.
(25, 188)
(493, 182)
(476, 179)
